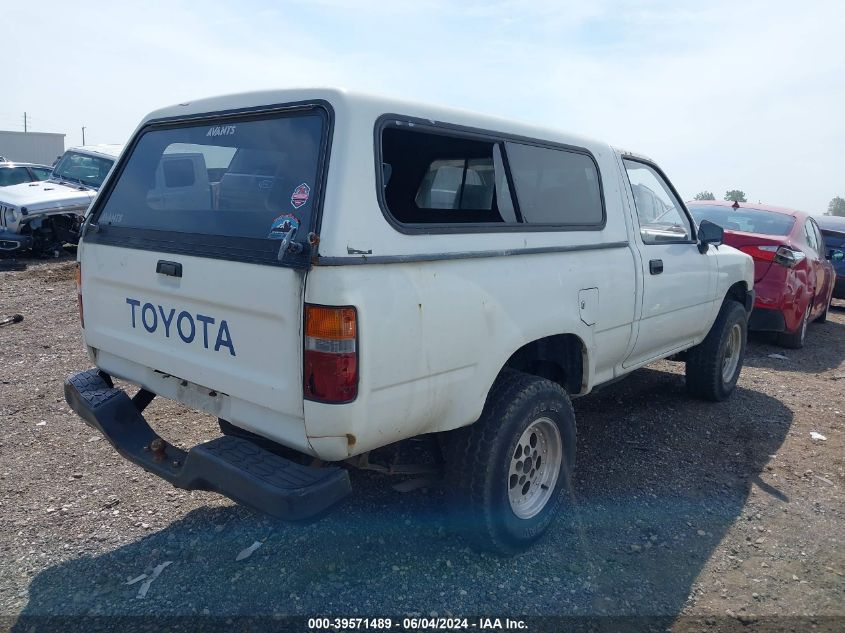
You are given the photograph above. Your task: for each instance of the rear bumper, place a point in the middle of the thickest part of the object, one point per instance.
(231, 466)
(767, 320)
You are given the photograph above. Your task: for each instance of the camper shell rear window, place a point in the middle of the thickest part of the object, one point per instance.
(439, 178)
(228, 187)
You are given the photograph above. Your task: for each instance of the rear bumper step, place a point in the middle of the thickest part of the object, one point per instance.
(231, 466)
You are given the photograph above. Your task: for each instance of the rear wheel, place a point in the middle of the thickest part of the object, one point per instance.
(507, 474)
(822, 318)
(795, 340)
(714, 365)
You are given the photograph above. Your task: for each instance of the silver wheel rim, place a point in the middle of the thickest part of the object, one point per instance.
(732, 350)
(534, 469)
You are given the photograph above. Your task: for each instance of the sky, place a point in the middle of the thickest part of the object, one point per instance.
(722, 94)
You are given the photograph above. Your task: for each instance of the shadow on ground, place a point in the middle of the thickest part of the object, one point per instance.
(660, 479)
(18, 262)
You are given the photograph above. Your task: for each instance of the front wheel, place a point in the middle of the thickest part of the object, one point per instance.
(714, 365)
(508, 474)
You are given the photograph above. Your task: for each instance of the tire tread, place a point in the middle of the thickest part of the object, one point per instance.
(703, 366)
(470, 448)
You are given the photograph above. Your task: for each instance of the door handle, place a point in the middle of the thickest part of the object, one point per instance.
(174, 269)
(655, 266)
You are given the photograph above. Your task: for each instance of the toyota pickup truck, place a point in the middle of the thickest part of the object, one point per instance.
(330, 274)
(41, 217)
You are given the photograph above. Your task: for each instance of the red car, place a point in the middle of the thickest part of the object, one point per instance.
(792, 278)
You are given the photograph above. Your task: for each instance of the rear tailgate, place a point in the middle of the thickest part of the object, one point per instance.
(240, 339)
(197, 273)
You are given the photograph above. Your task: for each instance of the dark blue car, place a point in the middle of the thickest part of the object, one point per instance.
(833, 230)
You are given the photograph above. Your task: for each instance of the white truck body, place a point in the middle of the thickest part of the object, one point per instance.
(440, 312)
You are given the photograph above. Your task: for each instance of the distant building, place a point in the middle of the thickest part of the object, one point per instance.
(31, 147)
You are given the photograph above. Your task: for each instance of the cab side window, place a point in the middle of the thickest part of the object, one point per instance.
(661, 215)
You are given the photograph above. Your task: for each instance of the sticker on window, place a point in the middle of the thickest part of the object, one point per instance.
(221, 130)
(111, 218)
(283, 225)
(300, 195)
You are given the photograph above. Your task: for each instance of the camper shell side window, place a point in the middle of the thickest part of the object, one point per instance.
(434, 178)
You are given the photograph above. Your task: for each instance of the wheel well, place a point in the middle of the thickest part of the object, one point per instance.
(559, 358)
(738, 292)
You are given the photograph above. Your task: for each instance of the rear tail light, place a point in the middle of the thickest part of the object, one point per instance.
(764, 253)
(79, 293)
(788, 257)
(331, 354)
(782, 255)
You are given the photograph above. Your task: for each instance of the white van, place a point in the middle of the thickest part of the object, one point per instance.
(337, 273)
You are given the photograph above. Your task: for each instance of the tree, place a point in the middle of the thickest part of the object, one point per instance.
(704, 195)
(836, 207)
(735, 195)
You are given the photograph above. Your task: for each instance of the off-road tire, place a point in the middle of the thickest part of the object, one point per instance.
(479, 459)
(705, 361)
(795, 340)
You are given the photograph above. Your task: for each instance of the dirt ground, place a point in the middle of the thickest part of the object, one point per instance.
(685, 515)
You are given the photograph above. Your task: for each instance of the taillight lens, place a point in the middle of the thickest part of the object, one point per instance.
(79, 293)
(331, 353)
(764, 253)
(782, 255)
(788, 257)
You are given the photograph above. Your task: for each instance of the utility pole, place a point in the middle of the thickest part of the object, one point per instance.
(24, 121)
(83, 135)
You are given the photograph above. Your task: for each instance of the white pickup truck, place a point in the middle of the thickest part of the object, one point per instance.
(42, 216)
(330, 274)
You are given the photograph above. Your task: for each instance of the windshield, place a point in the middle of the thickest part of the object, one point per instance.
(83, 168)
(744, 220)
(234, 178)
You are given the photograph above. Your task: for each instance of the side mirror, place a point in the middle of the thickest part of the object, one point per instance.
(709, 233)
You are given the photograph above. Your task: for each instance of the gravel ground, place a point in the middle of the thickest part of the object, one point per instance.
(702, 516)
